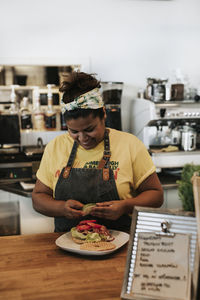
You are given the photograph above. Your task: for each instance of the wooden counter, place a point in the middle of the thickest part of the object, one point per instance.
(33, 267)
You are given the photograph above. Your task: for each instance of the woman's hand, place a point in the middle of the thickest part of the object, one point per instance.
(73, 209)
(150, 194)
(111, 210)
(44, 203)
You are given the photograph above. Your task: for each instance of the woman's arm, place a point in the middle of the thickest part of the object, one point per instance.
(150, 194)
(43, 202)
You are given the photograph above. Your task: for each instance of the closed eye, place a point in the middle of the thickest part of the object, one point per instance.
(89, 129)
(73, 131)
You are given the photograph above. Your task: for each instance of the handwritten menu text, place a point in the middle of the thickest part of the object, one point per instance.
(162, 266)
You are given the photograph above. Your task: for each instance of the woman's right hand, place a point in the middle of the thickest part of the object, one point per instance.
(44, 203)
(73, 209)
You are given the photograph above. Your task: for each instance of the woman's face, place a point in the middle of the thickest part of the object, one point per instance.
(87, 131)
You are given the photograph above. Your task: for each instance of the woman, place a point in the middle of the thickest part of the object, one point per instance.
(93, 164)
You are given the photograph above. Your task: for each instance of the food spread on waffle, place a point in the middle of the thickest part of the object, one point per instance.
(87, 208)
(92, 236)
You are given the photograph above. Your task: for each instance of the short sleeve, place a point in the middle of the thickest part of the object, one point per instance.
(143, 165)
(44, 173)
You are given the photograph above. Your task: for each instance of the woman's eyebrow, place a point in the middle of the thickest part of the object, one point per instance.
(72, 129)
(87, 128)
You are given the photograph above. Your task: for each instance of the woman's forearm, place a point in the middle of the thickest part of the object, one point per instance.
(149, 194)
(151, 198)
(47, 205)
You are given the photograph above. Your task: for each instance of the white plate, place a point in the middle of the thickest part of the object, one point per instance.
(66, 243)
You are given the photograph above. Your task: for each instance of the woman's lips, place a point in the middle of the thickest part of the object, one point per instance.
(87, 144)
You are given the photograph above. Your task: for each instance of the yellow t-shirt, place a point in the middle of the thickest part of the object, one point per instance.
(130, 160)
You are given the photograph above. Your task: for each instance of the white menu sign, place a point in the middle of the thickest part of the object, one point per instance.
(162, 267)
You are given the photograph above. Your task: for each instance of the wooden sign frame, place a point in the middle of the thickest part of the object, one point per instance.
(151, 220)
(196, 193)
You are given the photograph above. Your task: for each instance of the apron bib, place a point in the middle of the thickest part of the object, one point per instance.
(89, 186)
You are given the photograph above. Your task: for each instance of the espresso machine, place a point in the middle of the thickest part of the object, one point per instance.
(112, 93)
(168, 123)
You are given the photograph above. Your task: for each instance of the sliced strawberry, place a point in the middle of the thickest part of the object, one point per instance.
(87, 221)
(83, 227)
(94, 225)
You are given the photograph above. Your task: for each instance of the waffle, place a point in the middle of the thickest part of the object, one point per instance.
(97, 246)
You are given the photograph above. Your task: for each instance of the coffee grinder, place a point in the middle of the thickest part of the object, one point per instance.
(112, 93)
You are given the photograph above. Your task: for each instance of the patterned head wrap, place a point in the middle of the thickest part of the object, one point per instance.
(91, 99)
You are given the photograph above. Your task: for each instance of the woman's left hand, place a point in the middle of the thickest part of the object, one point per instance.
(111, 210)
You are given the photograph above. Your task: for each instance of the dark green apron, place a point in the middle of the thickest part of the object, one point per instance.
(89, 186)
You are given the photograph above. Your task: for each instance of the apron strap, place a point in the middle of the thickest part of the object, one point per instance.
(105, 161)
(70, 160)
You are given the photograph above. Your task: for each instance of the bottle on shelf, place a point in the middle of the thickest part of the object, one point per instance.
(13, 107)
(38, 114)
(63, 125)
(25, 115)
(50, 113)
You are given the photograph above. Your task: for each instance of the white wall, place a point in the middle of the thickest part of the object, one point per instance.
(123, 40)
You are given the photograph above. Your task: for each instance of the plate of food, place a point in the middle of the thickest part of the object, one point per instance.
(91, 238)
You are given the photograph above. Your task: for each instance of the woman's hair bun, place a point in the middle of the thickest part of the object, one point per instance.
(76, 84)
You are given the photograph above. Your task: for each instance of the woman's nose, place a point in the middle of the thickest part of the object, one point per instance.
(82, 136)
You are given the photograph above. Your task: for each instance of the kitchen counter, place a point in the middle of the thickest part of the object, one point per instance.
(15, 188)
(168, 182)
(33, 267)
